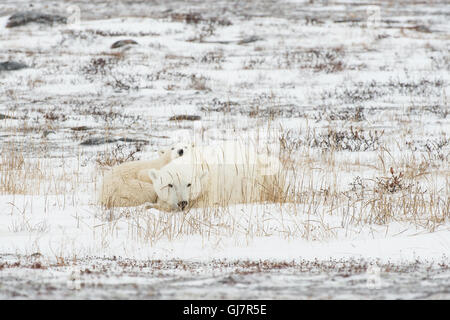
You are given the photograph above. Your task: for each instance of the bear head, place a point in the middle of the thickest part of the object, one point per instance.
(178, 185)
(176, 150)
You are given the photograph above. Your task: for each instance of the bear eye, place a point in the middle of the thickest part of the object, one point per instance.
(170, 185)
(188, 185)
(173, 148)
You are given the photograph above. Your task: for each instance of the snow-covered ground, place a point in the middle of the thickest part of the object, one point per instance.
(353, 97)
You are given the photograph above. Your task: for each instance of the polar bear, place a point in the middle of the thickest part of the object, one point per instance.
(128, 184)
(224, 174)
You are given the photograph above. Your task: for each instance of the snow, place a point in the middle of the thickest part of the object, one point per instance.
(72, 228)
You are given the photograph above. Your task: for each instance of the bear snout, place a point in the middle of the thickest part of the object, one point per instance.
(180, 152)
(182, 204)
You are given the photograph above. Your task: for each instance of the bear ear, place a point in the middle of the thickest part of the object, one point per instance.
(193, 144)
(153, 174)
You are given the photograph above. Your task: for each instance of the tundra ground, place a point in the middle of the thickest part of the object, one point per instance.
(352, 97)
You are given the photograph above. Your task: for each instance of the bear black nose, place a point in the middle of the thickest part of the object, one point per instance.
(180, 152)
(182, 204)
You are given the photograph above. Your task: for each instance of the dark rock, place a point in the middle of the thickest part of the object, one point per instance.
(4, 116)
(95, 141)
(250, 40)
(122, 43)
(187, 117)
(230, 280)
(421, 28)
(23, 18)
(46, 133)
(242, 41)
(348, 21)
(80, 128)
(12, 65)
(132, 140)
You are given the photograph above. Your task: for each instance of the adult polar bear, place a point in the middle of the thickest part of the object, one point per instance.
(128, 184)
(230, 173)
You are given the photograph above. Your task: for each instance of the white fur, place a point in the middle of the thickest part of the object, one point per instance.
(128, 184)
(218, 175)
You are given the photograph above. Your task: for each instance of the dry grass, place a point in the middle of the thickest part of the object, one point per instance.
(25, 176)
(295, 203)
(12, 172)
(298, 202)
(118, 154)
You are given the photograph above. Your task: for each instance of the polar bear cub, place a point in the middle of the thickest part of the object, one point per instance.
(128, 184)
(229, 173)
